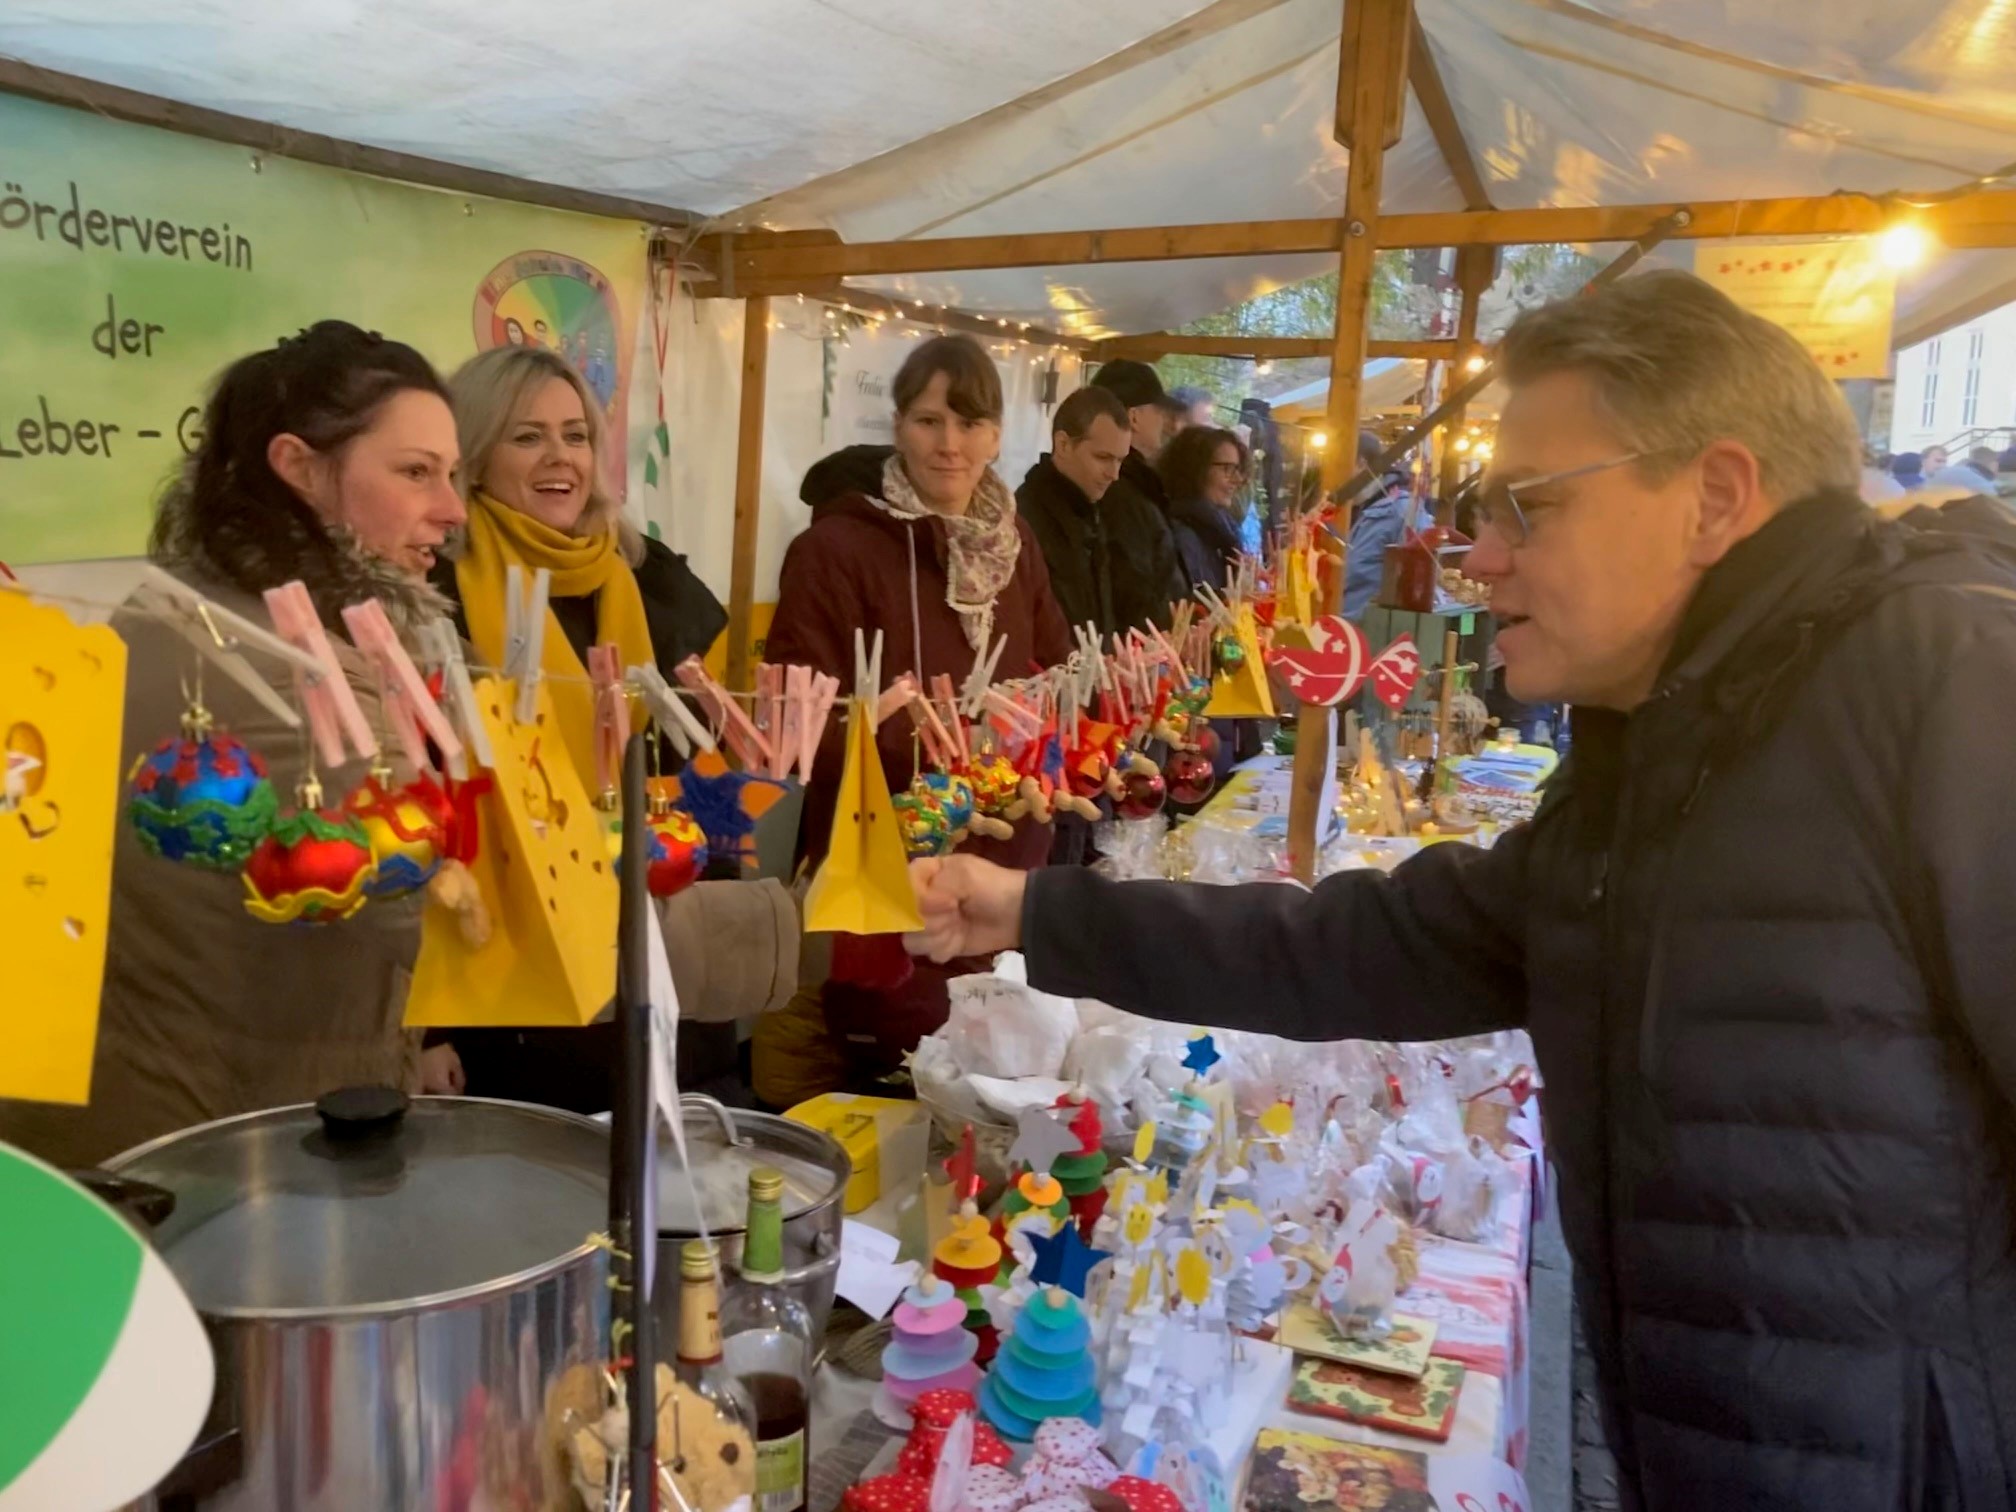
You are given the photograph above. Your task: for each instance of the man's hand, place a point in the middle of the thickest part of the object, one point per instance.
(970, 907)
(441, 1071)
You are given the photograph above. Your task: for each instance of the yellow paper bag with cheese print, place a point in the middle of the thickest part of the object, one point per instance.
(863, 885)
(546, 881)
(62, 701)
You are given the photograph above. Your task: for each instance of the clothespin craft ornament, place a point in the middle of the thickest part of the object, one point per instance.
(61, 704)
(863, 886)
(1239, 690)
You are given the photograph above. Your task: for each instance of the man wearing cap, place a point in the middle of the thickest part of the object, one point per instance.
(1146, 573)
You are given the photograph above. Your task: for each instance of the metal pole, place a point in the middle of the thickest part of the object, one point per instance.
(632, 1169)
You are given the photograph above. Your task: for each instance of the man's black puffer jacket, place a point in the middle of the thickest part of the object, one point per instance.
(1763, 934)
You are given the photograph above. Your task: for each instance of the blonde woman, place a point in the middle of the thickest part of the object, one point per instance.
(532, 465)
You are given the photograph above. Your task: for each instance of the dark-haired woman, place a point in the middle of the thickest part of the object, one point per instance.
(936, 559)
(1203, 469)
(330, 458)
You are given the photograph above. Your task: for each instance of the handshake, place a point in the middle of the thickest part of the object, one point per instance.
(970, 907)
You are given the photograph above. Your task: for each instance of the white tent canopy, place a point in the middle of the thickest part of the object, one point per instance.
(887, 119)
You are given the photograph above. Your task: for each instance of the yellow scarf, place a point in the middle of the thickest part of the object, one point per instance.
(500, 537)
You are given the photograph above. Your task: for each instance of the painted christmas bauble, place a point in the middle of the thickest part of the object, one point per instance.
(921, 819)
(1087, 773)
(1207, 741)
(312, 869)
(1231, 654)
(1188, 776)
(407, 830)
(996, 783)
(955, 796)
(678, 853)
(1142, 795)
(203, 800)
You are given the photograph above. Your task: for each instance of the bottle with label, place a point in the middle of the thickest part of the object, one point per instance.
(770, 1347)
(715, 1470)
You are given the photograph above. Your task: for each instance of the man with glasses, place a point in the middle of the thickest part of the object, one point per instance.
(1759, 931)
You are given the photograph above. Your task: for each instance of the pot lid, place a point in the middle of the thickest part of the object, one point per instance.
(723, 1147)
(367, 1200)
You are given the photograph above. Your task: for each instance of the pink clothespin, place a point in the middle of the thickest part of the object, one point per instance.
(897, 696)
(788, 742)
(946, 702)
(825, 693)
(612, 716)
(770, 710)
(938, 746)
(737, 729)
(410, 709)
(333, 714)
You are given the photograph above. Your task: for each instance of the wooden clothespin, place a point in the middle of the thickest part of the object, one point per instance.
(444, 649)
(335, 721)
(825, 693)
(898, 696)
(946, 702)
(738, 730)
(787, 742)
(612, 721)
(972, 694)
(868, 673)
(525, 637)
(678, 723)
(411, 712)
(219, 636)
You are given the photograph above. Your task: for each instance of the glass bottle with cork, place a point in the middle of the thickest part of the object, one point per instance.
(717, 1474)
(768, 1333)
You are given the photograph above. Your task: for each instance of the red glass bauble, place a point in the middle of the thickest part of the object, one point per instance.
(1142, 795)
(1087, 775)
(1188, 776)
(1207, 742)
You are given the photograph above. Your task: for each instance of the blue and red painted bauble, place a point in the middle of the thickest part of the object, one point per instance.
(202, 798)
(407, 829)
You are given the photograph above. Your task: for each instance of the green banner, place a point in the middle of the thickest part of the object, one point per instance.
(135, 264)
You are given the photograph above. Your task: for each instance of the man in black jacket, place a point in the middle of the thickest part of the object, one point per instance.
(1759, 931)
(1148, 573)
(1063, 497)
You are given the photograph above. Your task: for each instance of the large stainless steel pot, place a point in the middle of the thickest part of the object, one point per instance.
(724, 1145)
(393, 1290)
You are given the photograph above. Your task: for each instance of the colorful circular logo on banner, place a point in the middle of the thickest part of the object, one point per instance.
(551, 300)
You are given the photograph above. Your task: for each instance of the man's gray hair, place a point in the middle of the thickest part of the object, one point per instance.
(1678, 365)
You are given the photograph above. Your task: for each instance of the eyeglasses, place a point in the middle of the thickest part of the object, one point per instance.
(1499, 504)
(1231, 469)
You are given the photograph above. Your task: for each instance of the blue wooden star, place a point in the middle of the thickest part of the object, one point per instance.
(1203, 1054)
(1063, 1259)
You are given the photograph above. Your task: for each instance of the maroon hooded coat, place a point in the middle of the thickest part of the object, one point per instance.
(857, 566)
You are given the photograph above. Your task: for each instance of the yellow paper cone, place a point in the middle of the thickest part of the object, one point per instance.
(544, 872)
(863, 885)
(1241, 692)
(62, 697)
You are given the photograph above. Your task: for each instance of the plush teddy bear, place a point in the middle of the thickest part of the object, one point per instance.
(712, 1459)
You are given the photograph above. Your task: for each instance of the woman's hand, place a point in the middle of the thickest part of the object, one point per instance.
(441, 1071)
(970, 907)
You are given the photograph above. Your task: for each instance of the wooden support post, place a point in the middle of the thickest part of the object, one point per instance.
(748, 492)
(1476, 267)
(1371, 82)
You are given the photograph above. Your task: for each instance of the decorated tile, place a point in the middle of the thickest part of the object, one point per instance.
(1307, 1329)
(1424, 1408)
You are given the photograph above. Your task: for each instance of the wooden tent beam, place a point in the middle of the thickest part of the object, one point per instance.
(1426, 76)
(1476, 267)
(748, 494)
(1371, 88)
(1149, 345)
(1983, 219)
(109, 100)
